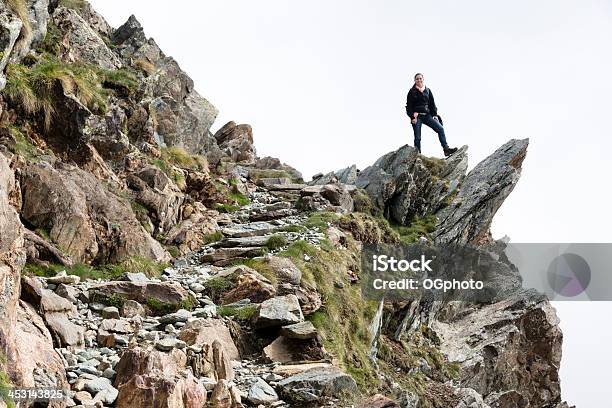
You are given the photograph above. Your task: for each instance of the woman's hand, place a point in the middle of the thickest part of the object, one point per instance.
(414, 117)
(413, 121)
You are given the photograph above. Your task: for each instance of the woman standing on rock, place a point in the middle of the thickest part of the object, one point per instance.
(421, 108)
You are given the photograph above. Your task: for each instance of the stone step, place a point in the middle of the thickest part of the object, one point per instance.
(225, 256)
(249, 229)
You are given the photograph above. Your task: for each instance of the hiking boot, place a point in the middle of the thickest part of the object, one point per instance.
(449, 150)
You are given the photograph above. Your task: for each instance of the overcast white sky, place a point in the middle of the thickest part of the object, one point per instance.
(323, 84)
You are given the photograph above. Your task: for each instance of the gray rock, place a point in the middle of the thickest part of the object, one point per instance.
(169, 343)
(98, 384)
(110, 312)
(279, 311)
(468, 217)
(131, 308)
(180, 315)
(67, 292)
(81, 43)
(303, 330)
(107, 396)
(261, 393)
(315, 384)
(285, 270)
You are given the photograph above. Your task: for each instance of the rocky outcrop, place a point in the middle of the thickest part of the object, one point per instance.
(509, 351)
(159, 391)
(85, 219)
(467, 218)
(183, 118)
(236, 141)
(80, 42)
(405, 184)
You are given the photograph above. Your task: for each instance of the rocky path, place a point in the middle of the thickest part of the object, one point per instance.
(120, 338)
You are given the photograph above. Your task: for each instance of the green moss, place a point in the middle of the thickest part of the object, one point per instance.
(5, 385)
(363, 203)
(276, 242)
(116, 300)
(243, 313)
(298, 249)
(418, 227)
(52, 41)
(174, 251)
(160, 308)
(23, 145)
(121, 79)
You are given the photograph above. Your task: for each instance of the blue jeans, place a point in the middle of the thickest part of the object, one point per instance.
(432, 123)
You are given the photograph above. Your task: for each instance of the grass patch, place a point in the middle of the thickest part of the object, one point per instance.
(363, 203)
(298, 249)
(145, 66)
(369, 229)
(260, 265)
(23, 145)
(243, 313)
(344, 319)
(239, 199)
(5, 384)
(419, 227)
(214, 237)
(293, 228)
(180, 158)
(105, 272)
(34, 87)
(321, 220)
(77, 5)
(433, 164)
(226, 208)
(276, 242)
(216, 287)
(43, 233)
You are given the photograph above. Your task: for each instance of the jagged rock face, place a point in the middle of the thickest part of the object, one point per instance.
(88, 221)
(80, 42)
(510, 351)
(10, 27)
(468, 217)
(347, 175)
(402, 184)
(183, 117)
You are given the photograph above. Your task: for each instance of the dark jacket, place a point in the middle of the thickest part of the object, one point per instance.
(422, 102)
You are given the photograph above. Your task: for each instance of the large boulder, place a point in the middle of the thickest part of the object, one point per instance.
(279, 311)
(12, 258)
(468, 217)
(161, 391)
(205, 332)
(140, 361)
(35, 362)
(83, 217)
(167, 296)
(509, 349)
(317, 384)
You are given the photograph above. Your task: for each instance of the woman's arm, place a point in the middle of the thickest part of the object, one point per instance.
(410, 104)
(433, 109)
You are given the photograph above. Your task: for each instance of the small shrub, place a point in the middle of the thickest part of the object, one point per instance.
(214, 237)
(145, 66)
(216, 287)
(418, 227)
(276, 242)
(298, 249)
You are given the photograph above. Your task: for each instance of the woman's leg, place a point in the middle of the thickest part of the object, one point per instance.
(416, 128)
(437, 127)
